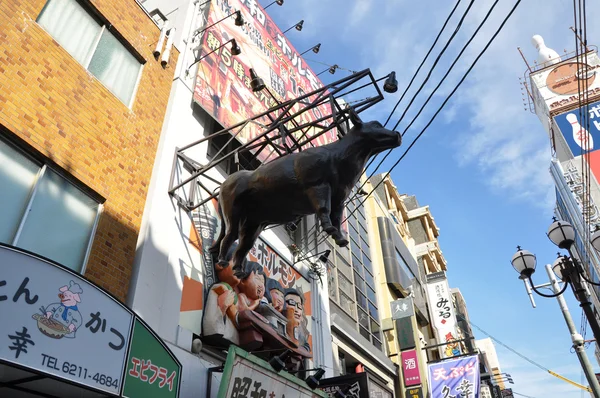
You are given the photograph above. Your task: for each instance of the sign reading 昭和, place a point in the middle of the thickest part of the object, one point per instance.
(456, 378)
(410, 368)
(402, 308)
(443, 318)
(246, 375)
(151, 371)
(57, 323)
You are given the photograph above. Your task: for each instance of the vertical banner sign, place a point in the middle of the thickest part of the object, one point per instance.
(151, 371)
(456, 378)
(223, 84)
(443, 317)
(410, 368)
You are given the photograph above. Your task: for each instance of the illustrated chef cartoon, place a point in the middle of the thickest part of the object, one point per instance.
(66, 312)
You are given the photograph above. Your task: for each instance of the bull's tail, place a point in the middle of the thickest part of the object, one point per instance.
(215, 248)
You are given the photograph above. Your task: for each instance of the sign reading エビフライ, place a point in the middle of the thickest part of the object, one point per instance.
(455, 378)
(57, 323)
(245, 375)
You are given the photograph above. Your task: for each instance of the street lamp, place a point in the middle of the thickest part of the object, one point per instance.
(571, 272)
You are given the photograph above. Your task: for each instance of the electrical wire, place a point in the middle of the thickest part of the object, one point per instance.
(439, 109)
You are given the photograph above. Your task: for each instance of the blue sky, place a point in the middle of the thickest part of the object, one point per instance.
(482, 167)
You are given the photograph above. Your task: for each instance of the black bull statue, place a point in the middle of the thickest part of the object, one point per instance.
(314, 181)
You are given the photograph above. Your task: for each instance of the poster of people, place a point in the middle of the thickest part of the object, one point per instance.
(223, 82)
(268, 306)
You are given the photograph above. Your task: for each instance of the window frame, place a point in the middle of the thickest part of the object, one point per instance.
(44, 165)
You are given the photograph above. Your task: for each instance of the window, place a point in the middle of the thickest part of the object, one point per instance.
(93, 45)
(43, 212)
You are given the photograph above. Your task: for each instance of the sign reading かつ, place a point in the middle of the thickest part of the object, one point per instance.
(57, 323)
(456, 378)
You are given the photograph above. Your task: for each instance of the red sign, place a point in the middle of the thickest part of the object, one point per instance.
(223, 86)
(410, 368)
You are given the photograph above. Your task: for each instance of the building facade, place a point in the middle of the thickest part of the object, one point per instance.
(81, 110)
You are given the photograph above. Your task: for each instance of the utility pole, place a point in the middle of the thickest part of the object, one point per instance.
(576, 338)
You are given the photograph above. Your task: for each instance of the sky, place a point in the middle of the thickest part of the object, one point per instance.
(482, 166)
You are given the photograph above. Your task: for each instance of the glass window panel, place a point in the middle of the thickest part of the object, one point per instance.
(71, 26)
(355, 248)
(375, 328)
(377, 344)
(363, 318)
(357, 264)
(359, 282)
(344, 267)
(353, 233)
(365, 247)
(17, 176)
(345, 284)
(363, 230)
(365, 333)
(369, 279)
(367, 263)
(371, 295)
(59, 224)
(347, 304)
(332, 285)
(373, 311)
(115, 67)
(361, 299)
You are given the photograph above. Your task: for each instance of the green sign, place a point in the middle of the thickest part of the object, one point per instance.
(151, 369)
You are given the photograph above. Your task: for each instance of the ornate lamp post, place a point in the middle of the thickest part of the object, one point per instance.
(571, 272)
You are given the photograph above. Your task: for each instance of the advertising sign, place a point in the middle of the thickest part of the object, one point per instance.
(223, 86)
(410, 368)
(414, 392)
(55, 322)
(455, 378)
(485, 391)
(245, 375)
(353, 385)
(558, 86)
(402, 308)
(574, 129)
(151, 371)
(442, 313)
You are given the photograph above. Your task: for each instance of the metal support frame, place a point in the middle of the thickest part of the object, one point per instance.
(217, 369)
(282, 132)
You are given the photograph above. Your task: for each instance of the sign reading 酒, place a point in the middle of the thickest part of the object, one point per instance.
(223, 83)
(410, 368)
(457, 378)
(57, 323)
(442, 314)
(245, 375)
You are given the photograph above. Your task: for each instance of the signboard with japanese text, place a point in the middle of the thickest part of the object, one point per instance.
(55, 322)
(485, 391)
(443, 318)
(559, 86)
(246, 375)
(151, 370)
(414, 392)
(410, 368)
(456, 378)
(223, 81)
(353, 385)
(402, 308)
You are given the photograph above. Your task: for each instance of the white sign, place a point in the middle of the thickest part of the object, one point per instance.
(57, 323)
(248, 380)
(443, 317)
(485, 391)
(402, 308)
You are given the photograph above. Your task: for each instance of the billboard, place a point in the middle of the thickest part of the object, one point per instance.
(455, 378)
(442, 313)
(223, 82)
(557, 86)
(271, 297)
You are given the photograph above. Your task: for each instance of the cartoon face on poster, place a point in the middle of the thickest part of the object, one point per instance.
(267, 306)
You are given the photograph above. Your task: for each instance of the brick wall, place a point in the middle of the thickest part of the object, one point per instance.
(52, 103)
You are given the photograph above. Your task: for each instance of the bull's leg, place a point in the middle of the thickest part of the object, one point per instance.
(336, 221)
(230, 225)
(248, 235)
(320, 198)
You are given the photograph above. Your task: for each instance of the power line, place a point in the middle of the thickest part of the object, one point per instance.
(440, 108)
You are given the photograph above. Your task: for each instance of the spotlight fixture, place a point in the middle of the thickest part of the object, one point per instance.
(279, 3)
(235, 50)
(256, 83)
(239, 20)
(298, 27)
(314, 49)
(313, 381)
(278, 362)
(323, 257)
(331, 70)
(391, 84)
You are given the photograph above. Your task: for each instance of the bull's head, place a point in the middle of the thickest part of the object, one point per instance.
(373, 135)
